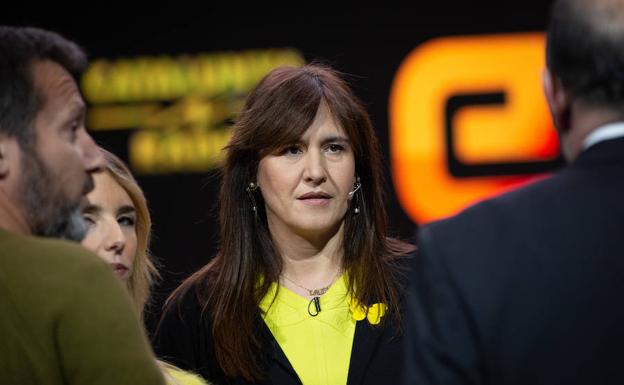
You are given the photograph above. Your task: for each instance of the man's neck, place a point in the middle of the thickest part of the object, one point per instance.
(585, 120)
(11, 220)
(603, 133)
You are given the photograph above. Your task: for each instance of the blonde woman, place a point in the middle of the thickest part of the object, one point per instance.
(119, 232)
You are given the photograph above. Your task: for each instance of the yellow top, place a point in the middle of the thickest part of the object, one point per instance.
(183, 377)
(318, 348)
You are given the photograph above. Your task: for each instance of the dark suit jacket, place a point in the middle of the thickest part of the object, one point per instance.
(527, 288)
(184, 339)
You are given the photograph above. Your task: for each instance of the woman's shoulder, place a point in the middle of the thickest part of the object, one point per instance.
(184, 305)
(401, 263)
(401, 257)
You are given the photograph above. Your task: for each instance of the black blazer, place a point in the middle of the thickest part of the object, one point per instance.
(527, 288)
(184, 339)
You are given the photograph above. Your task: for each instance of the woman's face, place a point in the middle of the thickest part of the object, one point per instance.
(305, 185)
(111, 217)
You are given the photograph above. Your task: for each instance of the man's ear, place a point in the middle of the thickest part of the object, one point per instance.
(558, 100)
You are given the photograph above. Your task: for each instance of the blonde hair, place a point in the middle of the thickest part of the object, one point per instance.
(144, 270)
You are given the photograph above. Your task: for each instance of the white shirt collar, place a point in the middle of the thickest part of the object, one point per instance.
(602, 133)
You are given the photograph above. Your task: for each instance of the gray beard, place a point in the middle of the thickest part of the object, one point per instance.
(47, 211)
(70, 226)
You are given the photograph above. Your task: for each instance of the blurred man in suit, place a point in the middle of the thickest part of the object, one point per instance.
(65, 319)
(527, 288)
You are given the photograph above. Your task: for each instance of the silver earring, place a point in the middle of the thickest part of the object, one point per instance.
(251, 188)
(356, 187)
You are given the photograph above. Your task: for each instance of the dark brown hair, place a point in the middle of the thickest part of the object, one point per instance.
(20, 49)
(584, 50)
(276, 114)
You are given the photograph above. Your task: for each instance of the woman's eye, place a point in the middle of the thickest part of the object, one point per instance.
(335, 148)
(126, 221)
(292, 150)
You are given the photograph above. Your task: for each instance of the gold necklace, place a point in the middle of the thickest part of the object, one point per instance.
(315, 292)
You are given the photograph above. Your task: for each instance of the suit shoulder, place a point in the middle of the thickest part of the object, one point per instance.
(26, 253)
(502, 210)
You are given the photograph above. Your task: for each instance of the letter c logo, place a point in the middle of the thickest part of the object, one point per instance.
(468, 121)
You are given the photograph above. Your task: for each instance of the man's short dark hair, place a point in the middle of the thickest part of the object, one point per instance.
(585, 49)
(20, 47)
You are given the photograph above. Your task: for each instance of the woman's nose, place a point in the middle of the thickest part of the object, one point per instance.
(315, 171)
(115, 238)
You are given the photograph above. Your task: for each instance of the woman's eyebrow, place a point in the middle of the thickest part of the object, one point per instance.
(335, 139)
(126, 209)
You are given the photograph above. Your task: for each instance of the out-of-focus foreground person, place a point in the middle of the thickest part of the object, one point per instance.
(526, 288)
(65, 318)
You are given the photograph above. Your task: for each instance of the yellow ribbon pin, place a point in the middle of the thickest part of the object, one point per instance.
(373, 313)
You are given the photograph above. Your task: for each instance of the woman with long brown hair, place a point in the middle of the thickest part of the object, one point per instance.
(306, 285)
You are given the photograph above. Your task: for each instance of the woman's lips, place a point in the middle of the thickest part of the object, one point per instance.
(315, 198)
(120, 269)
(315, 201)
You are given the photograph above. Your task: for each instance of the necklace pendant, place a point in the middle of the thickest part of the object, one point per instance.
(317, 292)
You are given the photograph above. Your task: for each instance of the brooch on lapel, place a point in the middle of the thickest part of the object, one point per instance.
(373, 312)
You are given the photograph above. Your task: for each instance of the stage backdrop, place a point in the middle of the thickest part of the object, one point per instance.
(454, 91)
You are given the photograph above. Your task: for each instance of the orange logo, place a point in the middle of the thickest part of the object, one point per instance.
(468, 120)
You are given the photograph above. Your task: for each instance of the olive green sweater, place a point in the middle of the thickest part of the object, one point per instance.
(65, 318)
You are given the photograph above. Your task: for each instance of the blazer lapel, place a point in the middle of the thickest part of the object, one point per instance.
(365, 342)
(282, 360)
(275, 352)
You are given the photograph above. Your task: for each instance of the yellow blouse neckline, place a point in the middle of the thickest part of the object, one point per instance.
(318, 347)
(293, 308)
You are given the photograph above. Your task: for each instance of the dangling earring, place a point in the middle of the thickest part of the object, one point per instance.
(356, 187)
(251, 188)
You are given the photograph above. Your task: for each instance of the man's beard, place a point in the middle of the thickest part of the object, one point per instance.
(47, 211)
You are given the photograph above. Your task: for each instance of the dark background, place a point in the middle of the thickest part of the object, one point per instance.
(366, 42)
